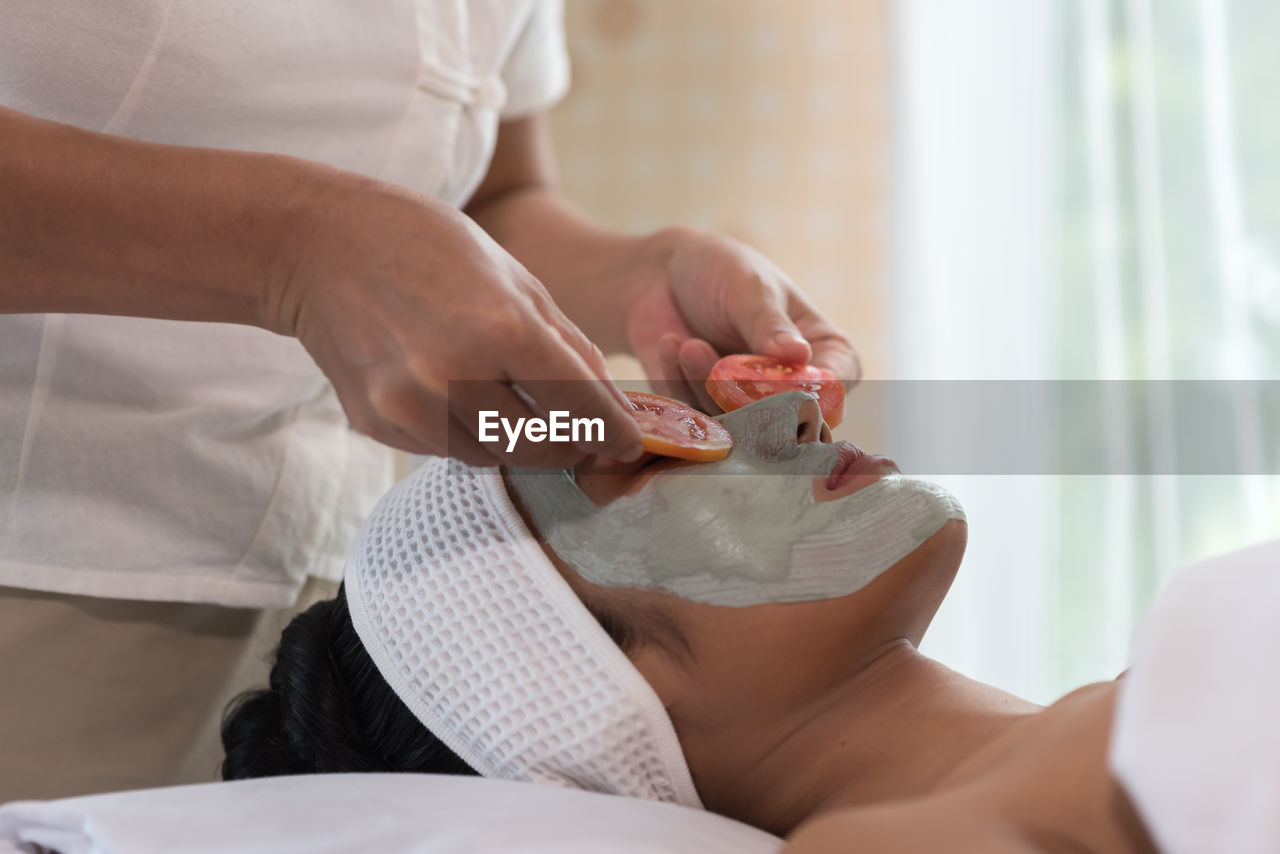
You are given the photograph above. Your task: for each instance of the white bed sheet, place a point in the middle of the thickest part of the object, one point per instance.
(387, 813)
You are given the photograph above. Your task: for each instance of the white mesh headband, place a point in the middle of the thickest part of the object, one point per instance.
(488, 646)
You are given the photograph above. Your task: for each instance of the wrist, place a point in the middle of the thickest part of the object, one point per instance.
(310, 213)
(295, 213)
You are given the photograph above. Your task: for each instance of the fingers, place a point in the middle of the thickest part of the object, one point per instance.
(697, 358)
(556, 378)
(481, 407)
(421, 423)
(574, 338)
(488, 422)
(769, 330)
(415, 426)
(556, 369)
(836, 354)
(400, 413)
(832, 349)
(666, 377)
(655, 328)
(400, 410)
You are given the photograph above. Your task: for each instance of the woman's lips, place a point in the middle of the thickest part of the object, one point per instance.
(852, 461)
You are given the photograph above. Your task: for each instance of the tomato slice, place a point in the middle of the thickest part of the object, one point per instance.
(738, 380)
(670, 428)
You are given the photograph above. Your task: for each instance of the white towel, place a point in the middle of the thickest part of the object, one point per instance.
(1196, 736)
(472, 626)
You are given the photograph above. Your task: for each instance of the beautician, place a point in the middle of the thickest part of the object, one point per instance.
(229, 234)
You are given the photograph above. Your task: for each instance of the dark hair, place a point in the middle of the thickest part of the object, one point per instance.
(327, 709)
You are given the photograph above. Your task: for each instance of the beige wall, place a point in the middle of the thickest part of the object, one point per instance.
(764, 119)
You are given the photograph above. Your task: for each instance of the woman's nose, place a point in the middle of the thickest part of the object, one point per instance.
(776, 424)
(809, 424)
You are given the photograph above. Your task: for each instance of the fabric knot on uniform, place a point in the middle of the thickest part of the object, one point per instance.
(470, 90)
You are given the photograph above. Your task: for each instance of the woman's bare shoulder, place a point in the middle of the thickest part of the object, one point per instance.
(931, 824)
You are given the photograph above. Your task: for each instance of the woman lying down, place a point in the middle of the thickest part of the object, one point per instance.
(739, 636)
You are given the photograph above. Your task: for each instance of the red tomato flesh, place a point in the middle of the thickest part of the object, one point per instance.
(670, 428)
(738, 380)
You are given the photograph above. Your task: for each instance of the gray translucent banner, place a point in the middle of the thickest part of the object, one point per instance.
(1071, 427)
(1085, 427)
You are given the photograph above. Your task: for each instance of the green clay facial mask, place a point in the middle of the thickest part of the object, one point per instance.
(745, 530)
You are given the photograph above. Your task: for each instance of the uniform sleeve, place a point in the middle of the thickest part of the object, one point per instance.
(536, 73)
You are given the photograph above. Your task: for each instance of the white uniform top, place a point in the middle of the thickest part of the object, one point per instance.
(168, 460)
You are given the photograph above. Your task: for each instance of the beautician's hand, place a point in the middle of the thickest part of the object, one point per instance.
(714, 296)
(395, 294)
(392, 293)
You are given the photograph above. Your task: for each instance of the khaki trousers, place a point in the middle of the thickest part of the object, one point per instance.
(101, 695)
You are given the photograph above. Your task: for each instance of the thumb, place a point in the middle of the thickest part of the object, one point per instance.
(768, 330)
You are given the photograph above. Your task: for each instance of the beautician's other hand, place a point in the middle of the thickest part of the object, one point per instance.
(713, 296)
(395, 294)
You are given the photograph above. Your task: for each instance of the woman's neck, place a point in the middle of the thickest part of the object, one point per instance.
(903, 727)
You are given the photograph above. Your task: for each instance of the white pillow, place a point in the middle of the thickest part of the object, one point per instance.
(1195, 738)
(388, 813)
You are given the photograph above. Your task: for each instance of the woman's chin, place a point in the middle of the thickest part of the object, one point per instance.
(945, 549)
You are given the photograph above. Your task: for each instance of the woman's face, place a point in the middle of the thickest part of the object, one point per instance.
(741, 673)
(786, 517)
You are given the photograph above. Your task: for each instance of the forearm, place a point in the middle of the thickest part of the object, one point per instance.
(589, 270)
(91, 223)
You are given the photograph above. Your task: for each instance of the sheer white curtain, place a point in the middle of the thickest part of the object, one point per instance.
(1090, 190)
